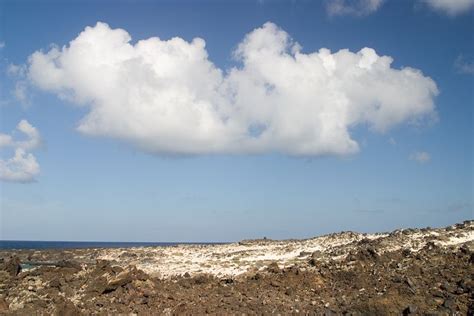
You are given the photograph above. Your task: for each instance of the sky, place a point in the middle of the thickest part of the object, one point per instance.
(225, 120)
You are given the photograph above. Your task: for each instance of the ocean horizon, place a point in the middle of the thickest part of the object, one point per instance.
(38, 244)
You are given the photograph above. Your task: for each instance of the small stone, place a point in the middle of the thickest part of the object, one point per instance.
(257, 276)
(55, 283)
(410, 283)
(449, 304)
(411, 309)
(3, 305)
(273, 268)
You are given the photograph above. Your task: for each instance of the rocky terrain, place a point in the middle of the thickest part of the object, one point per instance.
(405, 272)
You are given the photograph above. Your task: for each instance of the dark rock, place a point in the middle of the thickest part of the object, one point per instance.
(55, 283)
(256, 277)
(12, 266)
(447, 287)
(364, 241)
(411, 309)
(371, 251)
(103, 265)
(228, 281)
(295, 270)
(328, 312)
(313, 262)
(117, 269)
(120, 279)
(430, 245)
(97, 285)
(467, 247)
(273, 268)
(201, 279)
(410, 283)
(69, 264)
(449, 304)
(467, 285)
(127, 254)
(66, 308)
(3, 305)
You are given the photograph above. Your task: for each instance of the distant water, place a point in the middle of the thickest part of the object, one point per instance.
(23, 244)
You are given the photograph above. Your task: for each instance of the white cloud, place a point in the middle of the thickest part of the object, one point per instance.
(22, 167)
(420, 157)
(20, 92)
(352, 7)
(16, 70)
(463, 65)
(450, 7)
(165, 96)
(2, 45)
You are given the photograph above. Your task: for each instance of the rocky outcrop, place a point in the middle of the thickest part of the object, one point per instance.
(11, 266)
(406, 272)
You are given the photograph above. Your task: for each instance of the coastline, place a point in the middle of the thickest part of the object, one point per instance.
(418, 258)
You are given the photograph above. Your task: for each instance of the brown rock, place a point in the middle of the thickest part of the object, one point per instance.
(120, 279)
(273, 268)
(66, 308)
(3, 305)
(12, 266)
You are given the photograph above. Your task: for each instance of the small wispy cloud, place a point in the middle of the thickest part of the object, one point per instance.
(452, 208)
(450, 7)
(2, 45)
(392, 141)
(464, 65)
(22, 167)
(20, 92)
(421, 157)
(370, 211)
(352, 7)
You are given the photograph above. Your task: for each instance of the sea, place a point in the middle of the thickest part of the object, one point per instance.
(24, 244)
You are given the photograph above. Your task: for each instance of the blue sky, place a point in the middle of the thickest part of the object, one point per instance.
(98, 183)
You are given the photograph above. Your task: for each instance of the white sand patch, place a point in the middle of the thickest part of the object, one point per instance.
(233, 259)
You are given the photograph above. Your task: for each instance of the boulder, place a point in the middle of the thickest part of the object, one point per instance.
(12, 266)
(273, 268)
(66, 308)
(3, 305)
(120, 279)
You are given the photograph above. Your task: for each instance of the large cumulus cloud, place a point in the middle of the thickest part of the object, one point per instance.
(167, 97)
